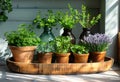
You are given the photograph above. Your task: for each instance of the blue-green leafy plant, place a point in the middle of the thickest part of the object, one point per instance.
(49, 20)
(62, 44)
(5, 6)
(23, 36)
(97, 42)
(85, 19)
(79, 49)
(45, 47)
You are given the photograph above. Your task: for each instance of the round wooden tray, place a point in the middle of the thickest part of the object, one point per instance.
(59, 68)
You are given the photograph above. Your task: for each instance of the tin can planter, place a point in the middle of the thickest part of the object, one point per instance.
(81, 58)
(23, 54)
(45, 57)
(97, 56)
(62, 57)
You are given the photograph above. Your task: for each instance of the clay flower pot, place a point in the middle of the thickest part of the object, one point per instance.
(97, 56)
(81, 58)
(62, 57)
(45, 57)
(23, 54)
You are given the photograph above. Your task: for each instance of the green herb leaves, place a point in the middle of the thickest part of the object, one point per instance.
(79, 49)
(5, 5)
(63, 44)
(48, 21)
(22, 37)
(85, 18)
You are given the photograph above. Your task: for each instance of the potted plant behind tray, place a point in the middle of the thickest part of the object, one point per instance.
(80, 53)
(22, 43)
(45, 51)
(86, 21)
(98, 45)
(62, 49)
(67, 21)
(46, 22)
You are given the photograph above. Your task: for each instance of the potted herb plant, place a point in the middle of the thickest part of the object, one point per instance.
(45, 51)
(22, 43)
(98, 45)
(46, 22)
(67, 21)
(5, 5)
(80, 53)
(86, 21)
(62, 49)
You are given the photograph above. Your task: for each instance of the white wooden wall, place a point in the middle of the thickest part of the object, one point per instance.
(24, 11)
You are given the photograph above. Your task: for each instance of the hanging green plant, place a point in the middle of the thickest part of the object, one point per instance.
(5, 5)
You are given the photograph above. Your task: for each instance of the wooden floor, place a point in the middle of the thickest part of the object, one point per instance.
(113, 75)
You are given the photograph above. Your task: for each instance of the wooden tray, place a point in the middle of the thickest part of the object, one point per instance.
(58, 68)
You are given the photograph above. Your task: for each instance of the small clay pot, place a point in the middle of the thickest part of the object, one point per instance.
(62, 57)
(45, 57)
(23, 54)
(97, 56)
(81, 58)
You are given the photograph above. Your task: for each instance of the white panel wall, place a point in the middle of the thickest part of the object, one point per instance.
(24, 11)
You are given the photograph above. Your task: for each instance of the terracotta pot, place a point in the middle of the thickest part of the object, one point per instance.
(97, 56)
(62, 57)
(23, 54)
(68, 32)
(45, 57)
(81, 58)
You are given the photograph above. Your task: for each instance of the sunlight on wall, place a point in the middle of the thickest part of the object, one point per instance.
(111, 24)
